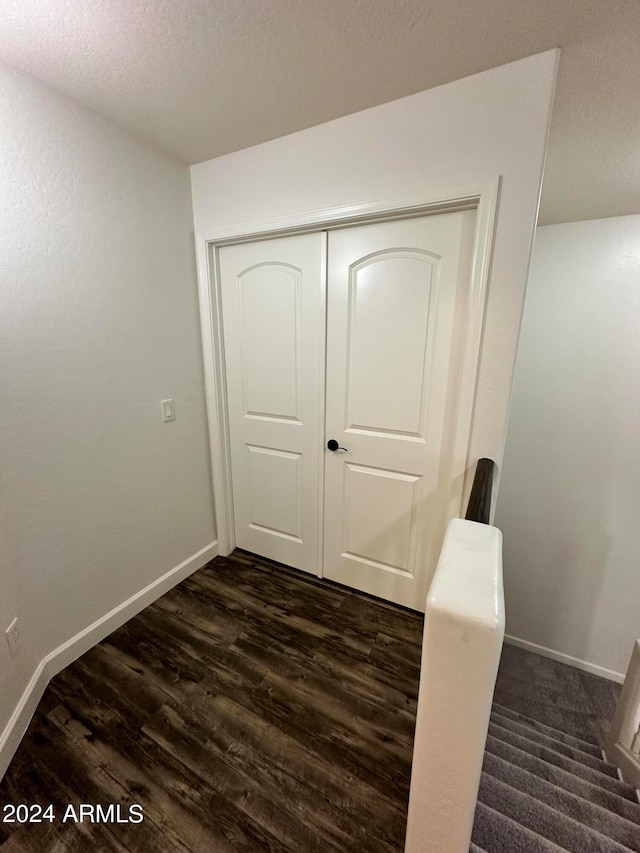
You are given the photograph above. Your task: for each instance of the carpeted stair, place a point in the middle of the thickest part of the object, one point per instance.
(544, 790)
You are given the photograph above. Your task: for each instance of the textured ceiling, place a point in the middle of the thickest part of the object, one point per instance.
(204, 77)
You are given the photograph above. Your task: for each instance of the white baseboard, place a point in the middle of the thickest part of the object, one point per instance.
(21, 717)
(101, 628)
(584, 665)
(626, 762)
(65, 654)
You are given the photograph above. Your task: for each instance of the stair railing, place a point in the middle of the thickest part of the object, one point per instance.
(463, 634)
(622, 743)
(479, 507)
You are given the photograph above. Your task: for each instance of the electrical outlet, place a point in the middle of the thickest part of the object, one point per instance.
(14, 637)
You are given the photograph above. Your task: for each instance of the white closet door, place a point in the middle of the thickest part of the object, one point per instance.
(397, 300)
(274, 330)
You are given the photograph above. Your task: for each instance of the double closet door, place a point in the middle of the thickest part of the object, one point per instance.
(342, 357)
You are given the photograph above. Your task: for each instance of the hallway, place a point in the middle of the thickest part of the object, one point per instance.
(249, 709)
(252, 708)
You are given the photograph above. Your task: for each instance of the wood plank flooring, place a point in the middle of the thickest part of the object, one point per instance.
(249, 709)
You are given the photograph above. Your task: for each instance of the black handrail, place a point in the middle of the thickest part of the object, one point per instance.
(479, 508)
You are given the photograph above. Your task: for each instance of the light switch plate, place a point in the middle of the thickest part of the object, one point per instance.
(168, 410)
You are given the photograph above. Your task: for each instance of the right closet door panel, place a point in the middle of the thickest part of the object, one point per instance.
(396, 312)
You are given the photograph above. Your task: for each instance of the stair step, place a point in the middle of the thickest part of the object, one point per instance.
(582, 724)
(578, 768)
(585, 745)
(590, 760)
(617, 797)
(495, 832)
(600, 819)
(544, 820)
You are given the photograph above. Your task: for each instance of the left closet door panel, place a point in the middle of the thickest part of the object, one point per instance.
(274, 338)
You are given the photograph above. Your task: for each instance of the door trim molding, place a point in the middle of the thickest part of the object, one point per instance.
(483, 197)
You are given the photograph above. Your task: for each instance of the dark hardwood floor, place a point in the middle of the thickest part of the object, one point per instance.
(249, 709)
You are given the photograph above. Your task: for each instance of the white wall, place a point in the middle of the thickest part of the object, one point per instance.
(472, 130)
(98, 322)
(570, 491)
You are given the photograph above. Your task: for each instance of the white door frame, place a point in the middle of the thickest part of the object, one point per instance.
(483, 197)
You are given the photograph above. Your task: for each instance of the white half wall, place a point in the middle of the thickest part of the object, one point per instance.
(461, 645)
(99, 499)
(570, 491)
(470, 131)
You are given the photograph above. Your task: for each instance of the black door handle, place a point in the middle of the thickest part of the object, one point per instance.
(332, 444)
